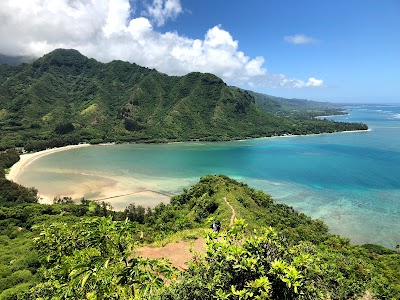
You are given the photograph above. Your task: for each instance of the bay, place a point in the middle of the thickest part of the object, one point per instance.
(349, 180)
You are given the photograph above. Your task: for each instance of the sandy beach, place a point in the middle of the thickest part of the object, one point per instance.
(112, 190)
(303, 135)
(28, 158)
(117, 190)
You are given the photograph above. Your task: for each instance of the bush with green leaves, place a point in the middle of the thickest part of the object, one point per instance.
(91, 259)
(87, 257)
(12, 193)
(263, 265)
(8, 158)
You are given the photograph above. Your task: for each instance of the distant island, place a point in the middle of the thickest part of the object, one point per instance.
(65, 98)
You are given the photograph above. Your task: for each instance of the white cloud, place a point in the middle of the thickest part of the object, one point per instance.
(139, 27)
(314, 82)
(118, 14)
(35, 26)
(281, 81)
(162, 10)
(102, 29)
(300, 39)
(216, 37)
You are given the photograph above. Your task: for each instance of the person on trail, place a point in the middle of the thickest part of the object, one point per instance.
(216, 226)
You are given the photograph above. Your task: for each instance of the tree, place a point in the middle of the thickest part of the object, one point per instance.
(92, 259)
(64, 128)
(263, 265)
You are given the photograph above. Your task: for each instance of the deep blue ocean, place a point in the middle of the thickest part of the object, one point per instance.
(351, 181)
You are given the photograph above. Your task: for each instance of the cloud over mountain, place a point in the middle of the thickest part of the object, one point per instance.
(116, 29)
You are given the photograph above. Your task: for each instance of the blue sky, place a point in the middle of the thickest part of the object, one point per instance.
(356, 50)
(340, 51)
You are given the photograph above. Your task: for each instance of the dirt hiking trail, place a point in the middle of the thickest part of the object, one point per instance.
(233, 212)
(179, 253)
(176, 253)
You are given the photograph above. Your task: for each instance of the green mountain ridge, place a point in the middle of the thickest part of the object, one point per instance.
(296, 108)
(84, 251)
(15, 60)
(64, 97)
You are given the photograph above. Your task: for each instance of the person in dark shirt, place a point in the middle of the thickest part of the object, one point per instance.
(216, 226)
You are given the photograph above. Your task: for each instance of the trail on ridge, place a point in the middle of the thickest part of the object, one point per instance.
(179, 253)
(233, 212)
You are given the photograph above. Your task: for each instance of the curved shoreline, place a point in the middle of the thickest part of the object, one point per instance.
(103, 189)
(26, 159)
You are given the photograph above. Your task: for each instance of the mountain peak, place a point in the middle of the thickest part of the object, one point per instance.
(65, 53)
(62, 57)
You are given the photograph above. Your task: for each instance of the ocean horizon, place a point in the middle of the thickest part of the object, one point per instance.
(348, 180)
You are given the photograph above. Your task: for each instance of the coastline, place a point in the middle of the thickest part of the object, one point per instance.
(106, 188)
(111, 191)
(302, 135)
(26, 159)
(345, 113)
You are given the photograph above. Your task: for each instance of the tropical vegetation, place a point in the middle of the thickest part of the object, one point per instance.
(65, 98)
(87, 251)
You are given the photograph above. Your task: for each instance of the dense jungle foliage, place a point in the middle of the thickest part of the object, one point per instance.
(65, 98)
(87, 251)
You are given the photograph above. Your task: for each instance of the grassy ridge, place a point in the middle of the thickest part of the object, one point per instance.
(293, 257)
(84, 250)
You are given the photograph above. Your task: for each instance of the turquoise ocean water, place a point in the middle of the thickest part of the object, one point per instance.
(351, 181)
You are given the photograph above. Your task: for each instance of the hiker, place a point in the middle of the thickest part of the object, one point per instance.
(216, 226)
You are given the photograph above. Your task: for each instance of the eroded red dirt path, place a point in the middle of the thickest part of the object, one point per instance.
(179, 253)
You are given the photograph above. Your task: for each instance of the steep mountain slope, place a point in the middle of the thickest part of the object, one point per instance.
(64, 98)
(295, 108)
(15, 60)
